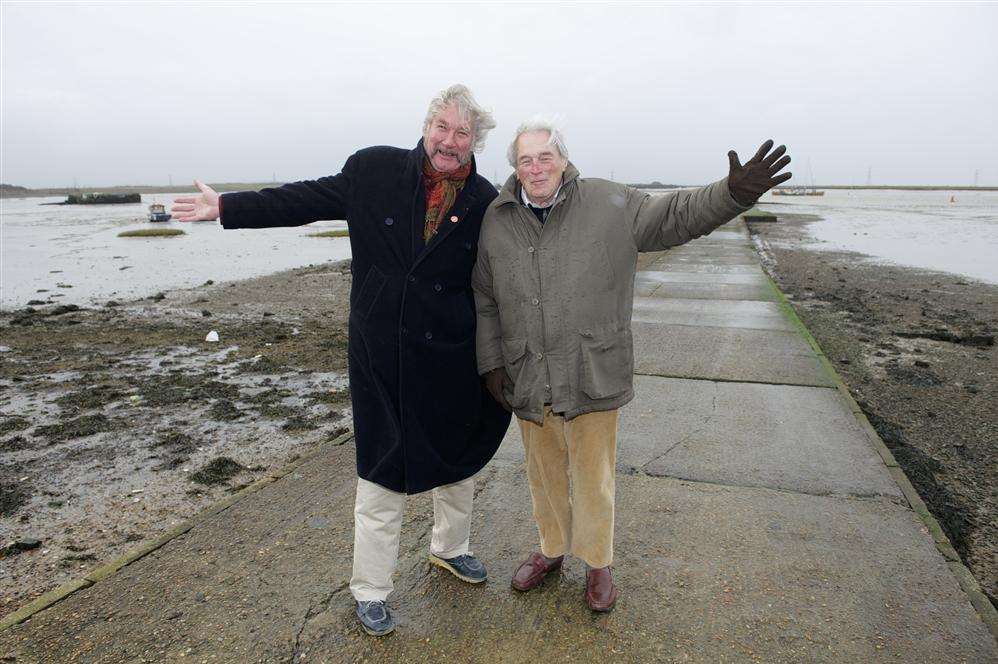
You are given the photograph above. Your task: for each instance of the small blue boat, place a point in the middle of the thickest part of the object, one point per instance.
(157, 212)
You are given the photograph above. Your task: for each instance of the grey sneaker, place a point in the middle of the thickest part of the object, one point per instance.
(465, 567)
(375, 618)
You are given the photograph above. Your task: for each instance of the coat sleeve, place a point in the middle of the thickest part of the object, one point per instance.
(293, 204)
(488, 334)
(661, 222)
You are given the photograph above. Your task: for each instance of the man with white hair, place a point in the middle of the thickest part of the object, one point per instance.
(554, 289)
(422, 418)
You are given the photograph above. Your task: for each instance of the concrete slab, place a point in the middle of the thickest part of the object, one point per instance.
(668, 263)
(775, 577)
(704, 266)
(726, 353)
(777, 436)
(719, 313)
(703, 291)
(781, 437)
(679, 277)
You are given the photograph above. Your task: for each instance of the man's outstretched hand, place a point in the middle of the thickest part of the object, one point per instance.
(759, 174)
(494, 382)
(203, 207)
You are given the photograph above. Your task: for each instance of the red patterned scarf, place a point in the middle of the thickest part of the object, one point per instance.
(442, 189)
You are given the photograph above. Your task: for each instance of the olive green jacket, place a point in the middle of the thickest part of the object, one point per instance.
(554, 301)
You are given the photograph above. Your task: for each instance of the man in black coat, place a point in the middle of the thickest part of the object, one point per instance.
(422, 418)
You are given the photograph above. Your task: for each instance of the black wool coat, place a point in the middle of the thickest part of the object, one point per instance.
(422, 417)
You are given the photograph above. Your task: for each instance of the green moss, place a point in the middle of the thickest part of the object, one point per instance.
(152, 232)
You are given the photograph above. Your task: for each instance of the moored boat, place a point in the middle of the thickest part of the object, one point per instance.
(157, 212)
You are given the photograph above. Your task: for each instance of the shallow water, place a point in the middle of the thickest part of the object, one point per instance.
(72, 253)
(923, 229)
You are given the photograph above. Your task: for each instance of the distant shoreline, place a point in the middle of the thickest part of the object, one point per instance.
(11, 191)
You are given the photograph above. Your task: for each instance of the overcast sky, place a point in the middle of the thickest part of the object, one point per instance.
(128, 94)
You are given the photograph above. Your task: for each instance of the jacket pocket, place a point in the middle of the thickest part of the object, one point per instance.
(514, 353)
(370, 289)
(607, 363)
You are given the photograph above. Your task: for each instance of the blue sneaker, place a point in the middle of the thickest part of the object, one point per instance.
(465, 567)
(375, 618)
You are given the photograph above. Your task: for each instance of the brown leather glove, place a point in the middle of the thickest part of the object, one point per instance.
(495, 380)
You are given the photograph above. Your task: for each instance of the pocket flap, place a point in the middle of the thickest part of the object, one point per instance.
(607, 363)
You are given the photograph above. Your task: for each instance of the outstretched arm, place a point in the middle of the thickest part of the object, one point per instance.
(661, 222)
(292, 204)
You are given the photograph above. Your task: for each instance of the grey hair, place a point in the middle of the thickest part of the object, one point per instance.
(539, 123)
(480, 119)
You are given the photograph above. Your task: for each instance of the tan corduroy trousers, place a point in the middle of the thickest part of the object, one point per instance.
(570, 468)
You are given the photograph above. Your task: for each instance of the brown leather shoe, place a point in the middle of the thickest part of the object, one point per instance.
(532, 571)
(601, 594)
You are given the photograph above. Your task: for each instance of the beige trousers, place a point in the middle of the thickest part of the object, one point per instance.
(378, 526)
(571, 470)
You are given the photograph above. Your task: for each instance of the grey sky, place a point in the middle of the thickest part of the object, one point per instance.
(128, 94)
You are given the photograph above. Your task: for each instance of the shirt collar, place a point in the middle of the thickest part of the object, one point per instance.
(550, 202)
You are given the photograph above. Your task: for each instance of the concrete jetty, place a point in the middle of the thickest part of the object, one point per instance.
(759, 519)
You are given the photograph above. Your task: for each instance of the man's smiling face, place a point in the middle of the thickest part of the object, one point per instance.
(539, 165)
(447, 140)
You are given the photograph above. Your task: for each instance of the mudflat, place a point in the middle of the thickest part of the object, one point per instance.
(118, 422)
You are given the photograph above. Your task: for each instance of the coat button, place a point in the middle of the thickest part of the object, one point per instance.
(429, 335)
(412, 278)
(535, 301)
(530, 249)
(389, 221)
(540, 356)
(405, 330)
(437, 287)
(467, 245)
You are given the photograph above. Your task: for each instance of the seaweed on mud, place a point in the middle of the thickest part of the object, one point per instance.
(955, 517)
(224, 410)
(912, 376)
(175, 442)
(279, 411)
(13, 423)
(271, 395)
(89, 398)
(332, 397)
(176, 447)
(179, 388)
(80, 427)
(12, 498)
(300, 423)
(13, 444)
(217, 471)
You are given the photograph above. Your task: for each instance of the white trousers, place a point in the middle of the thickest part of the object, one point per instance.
(378, 523)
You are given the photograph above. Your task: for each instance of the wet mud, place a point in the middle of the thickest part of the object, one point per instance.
(118, 422)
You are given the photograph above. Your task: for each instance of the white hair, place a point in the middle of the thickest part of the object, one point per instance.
(480, 120)
(539, 123)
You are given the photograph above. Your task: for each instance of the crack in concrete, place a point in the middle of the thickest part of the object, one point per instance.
(703, 425)
(314, 609)
(897, 500)
(732, 380)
